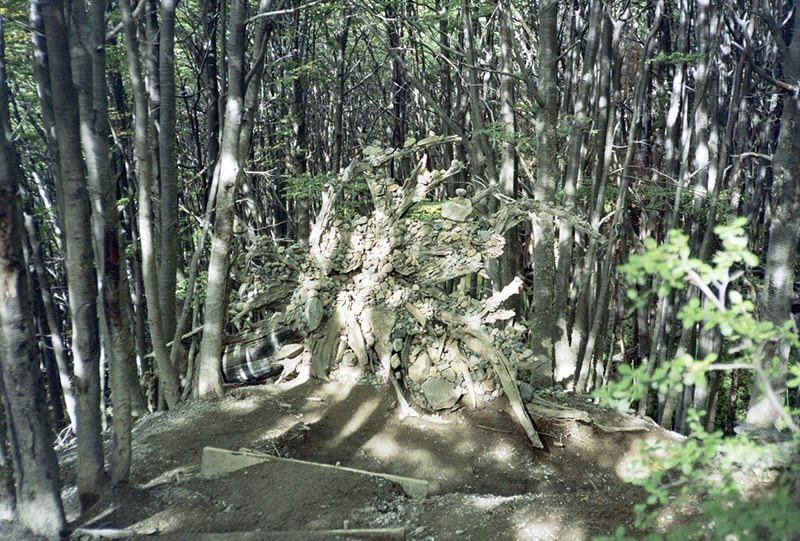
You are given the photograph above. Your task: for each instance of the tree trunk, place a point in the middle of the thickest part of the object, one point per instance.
(338, 116)
(38, 494)
(114, 293)
(209, 77)
(41, 76)
(779, 276)
(208, 381)
(300, 127)
(170, 384)
(482, 166)
(564, 355)
(620, 212)
(603, 154)
(399, 87)
(53, 327)
(8, 496)
(545, 188)
(81, 277)
(167, 231)
(510, 260)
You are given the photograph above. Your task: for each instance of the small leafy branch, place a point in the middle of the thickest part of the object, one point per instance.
(702, 470)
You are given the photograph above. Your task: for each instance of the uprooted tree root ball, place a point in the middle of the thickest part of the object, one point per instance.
(386, 297)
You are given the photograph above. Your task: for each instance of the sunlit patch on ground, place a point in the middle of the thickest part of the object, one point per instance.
(484, 479)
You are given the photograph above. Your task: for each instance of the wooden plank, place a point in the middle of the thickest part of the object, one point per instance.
(369, 534)
(560, 413)
(219, 461)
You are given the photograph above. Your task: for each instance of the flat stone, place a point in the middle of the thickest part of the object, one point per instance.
(313, 284)
(348, 359)
(419, 368)
(457, 210)
(312, 314)
(525, 391)
(440, 393)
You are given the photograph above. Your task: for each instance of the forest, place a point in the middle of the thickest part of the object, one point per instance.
(178, 175)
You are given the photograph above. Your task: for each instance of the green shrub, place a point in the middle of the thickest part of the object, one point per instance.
(701, 473)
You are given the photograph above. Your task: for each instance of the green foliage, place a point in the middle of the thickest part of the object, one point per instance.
(677, 58)
(700, 472)
(425, 211)
(201, 284)
(305, 185)
(742, 398)
(494, 131)
(583, 194)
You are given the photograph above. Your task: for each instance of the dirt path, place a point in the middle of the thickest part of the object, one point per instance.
(485, 481)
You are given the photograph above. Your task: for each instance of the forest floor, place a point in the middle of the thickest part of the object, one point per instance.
(485, 480)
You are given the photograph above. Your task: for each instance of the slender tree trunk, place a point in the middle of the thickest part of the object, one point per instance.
(167, 152)
(150, 60)
(564, 365)
(510, 260)
(672, 150)
(209, 78)
(53, 326)
(114, 292)
(253, 80)
(338, 116)
(38, 494)
(482, 166)
(545, 188)
(779, 276)
(170, 384)
(81, 277)
(300, 126)
(620, 212)
(603, 153)
(208, 381)
(41, 75)
(399, 90)
(8, 495)
(449, 96)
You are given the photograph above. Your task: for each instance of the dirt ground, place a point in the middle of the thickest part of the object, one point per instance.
(485, 480)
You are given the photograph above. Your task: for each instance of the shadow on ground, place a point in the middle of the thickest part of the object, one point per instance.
(486, 482)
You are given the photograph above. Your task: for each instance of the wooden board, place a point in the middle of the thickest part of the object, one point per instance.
(219, 461)
(377, 534)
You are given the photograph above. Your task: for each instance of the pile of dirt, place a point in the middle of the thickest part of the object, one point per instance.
(485, 480)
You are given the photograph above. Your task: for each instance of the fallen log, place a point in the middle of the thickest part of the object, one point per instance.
(251, 356)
